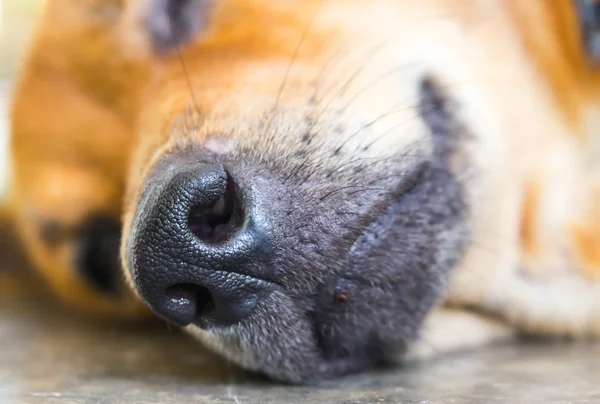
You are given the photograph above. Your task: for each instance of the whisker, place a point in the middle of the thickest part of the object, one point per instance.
(405, 108)
(301, 165)
(357, 160)
(396, 127)
(296, 52)
(380, 46)
(387, 177)
(369, 124)
(274, 110)
(187, 78)
(330, 173)
(374, 51)
(341, 50)
(363, 189)
(382, 136)
(376, 80)
(376, 160)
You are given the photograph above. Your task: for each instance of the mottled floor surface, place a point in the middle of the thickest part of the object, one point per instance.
(50, 356)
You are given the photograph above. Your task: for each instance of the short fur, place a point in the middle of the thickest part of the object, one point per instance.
(72, 126)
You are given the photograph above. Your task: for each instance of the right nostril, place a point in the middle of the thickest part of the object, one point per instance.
(186, 302)
(217, 221)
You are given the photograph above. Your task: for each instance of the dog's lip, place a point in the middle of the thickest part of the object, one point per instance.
(410, 180)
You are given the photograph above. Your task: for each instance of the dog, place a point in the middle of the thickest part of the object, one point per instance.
(317, 187)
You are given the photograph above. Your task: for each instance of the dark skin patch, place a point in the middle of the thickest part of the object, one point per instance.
(173, 23)
(97, 241)
(377, 299)
(373, 308)
(439, 112)
(52, 233)
(589, 21)
(97, 258)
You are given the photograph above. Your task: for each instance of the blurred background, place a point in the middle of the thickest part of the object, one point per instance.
(16, 22)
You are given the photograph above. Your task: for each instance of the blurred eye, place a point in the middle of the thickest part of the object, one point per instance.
(589, 20)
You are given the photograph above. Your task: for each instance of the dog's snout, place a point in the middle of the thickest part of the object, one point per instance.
(196, 251)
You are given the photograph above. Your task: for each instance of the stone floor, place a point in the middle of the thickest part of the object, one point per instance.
(48, 355)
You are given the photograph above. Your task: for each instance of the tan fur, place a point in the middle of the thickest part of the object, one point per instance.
(72, 118)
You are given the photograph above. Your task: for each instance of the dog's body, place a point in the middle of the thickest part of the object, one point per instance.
(316, 185)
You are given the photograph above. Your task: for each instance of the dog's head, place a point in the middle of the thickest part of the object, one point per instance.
(72, 119)
(309, 174)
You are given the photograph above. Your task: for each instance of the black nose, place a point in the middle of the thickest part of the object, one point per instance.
(198, 249)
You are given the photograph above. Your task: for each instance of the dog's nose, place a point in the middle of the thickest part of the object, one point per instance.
(198, 248)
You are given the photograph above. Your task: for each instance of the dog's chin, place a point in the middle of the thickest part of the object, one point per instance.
(282, 346)
(276, 340)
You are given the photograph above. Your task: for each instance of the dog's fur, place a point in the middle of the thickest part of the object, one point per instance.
(72, 118)
(431, 161)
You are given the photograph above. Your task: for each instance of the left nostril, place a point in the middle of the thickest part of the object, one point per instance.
(217, 221)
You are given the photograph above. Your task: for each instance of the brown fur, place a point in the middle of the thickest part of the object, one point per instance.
(552, 36)
(72, 122)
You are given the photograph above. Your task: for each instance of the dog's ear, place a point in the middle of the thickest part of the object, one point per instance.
(171, 23)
